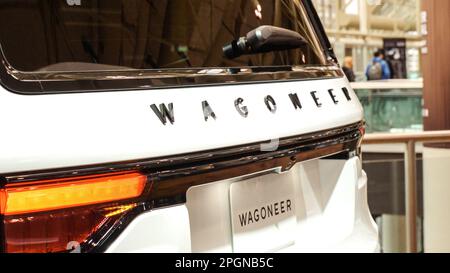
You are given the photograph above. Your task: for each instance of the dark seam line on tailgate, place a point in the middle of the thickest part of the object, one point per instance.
(183, 161)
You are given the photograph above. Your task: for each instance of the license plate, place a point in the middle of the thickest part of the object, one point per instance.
(263, 213)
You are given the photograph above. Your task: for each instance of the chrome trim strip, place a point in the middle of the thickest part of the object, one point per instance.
(209, 160)
(44, 83)
(203, 75)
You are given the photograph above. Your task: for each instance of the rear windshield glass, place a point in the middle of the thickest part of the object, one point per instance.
(83, 35)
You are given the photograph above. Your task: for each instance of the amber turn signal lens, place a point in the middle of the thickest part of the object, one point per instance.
(56, 215)
(54, 195)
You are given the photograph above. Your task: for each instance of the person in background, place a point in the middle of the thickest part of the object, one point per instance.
(391, 67)
(348, 69)
(378, 69)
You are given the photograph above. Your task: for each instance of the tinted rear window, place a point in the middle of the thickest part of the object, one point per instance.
(80, 35)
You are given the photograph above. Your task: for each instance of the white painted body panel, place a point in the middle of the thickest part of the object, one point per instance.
(65, 130)
(70, 130)
(332, 215)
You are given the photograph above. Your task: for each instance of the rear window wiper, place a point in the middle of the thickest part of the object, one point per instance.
(262, 40)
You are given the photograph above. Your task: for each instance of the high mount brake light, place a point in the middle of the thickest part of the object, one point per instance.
(53, 215)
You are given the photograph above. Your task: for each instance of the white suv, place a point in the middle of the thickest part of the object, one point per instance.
(177, 126)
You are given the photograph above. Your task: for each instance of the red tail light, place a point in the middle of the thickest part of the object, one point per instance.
(56, 215)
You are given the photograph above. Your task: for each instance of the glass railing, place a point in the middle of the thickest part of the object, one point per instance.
(392, 106)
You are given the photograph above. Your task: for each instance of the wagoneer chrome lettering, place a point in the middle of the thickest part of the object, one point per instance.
(295, 101)
(271, 104)
(164, 112)
(242, 110)
(208, 111)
